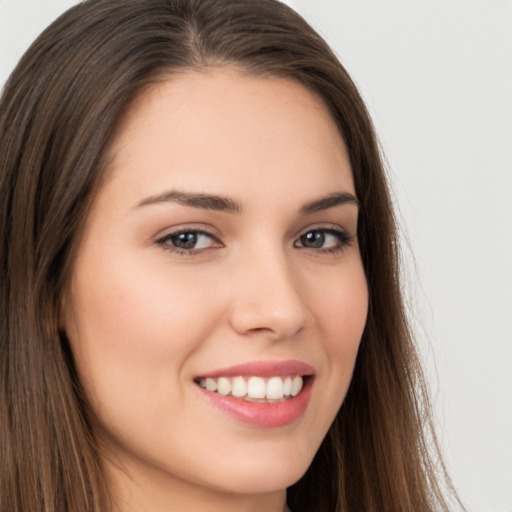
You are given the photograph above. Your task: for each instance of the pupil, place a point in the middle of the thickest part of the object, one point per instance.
(185, 240)
(314, 239)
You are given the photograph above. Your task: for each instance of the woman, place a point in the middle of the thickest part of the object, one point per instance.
(201, 304)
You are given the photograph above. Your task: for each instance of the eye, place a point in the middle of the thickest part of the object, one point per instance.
(188, 241)
(324, 239)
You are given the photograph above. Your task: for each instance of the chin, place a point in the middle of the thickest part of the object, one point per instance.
(250, 477)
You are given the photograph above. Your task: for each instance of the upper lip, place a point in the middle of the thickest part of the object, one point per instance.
(262, 369)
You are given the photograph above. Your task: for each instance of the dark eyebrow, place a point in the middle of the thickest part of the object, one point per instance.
(329, 201)
(195, 200)
(219, 203)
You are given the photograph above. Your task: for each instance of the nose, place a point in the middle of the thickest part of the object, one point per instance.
(268, 298)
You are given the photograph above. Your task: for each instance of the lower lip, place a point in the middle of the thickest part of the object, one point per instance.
(268, 415)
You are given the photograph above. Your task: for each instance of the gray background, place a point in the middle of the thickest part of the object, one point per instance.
(437, 77)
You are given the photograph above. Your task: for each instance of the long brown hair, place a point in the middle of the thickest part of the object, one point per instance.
(58, 115)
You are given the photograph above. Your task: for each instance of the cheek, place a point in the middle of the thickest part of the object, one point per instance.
(347, 313)
(341, 309)
(134, 327)
(131, 335)
(138, 304)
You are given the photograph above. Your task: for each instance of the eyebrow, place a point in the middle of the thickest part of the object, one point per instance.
(330, 201)
(225, 204)
(195, 200)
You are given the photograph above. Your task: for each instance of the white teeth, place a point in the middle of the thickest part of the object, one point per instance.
(275, 388)
(255, 388)
(223, 386)
(211, 384)
(296, 385)
(287, 387)
(239, 387)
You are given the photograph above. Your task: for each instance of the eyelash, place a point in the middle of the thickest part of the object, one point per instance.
(343, 240)
(167, 245)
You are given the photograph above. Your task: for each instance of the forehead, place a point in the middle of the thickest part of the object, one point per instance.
(220, 124)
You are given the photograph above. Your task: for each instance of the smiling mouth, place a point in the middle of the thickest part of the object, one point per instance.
(254, 388)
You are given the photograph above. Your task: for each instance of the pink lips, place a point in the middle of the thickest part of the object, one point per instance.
(263, 369)
(263, 414)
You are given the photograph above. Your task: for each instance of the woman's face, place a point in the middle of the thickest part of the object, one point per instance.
(220, 251)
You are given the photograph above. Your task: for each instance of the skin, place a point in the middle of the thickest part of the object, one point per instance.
(144, 320)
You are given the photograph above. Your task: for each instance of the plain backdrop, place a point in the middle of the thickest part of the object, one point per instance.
(437, 78)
